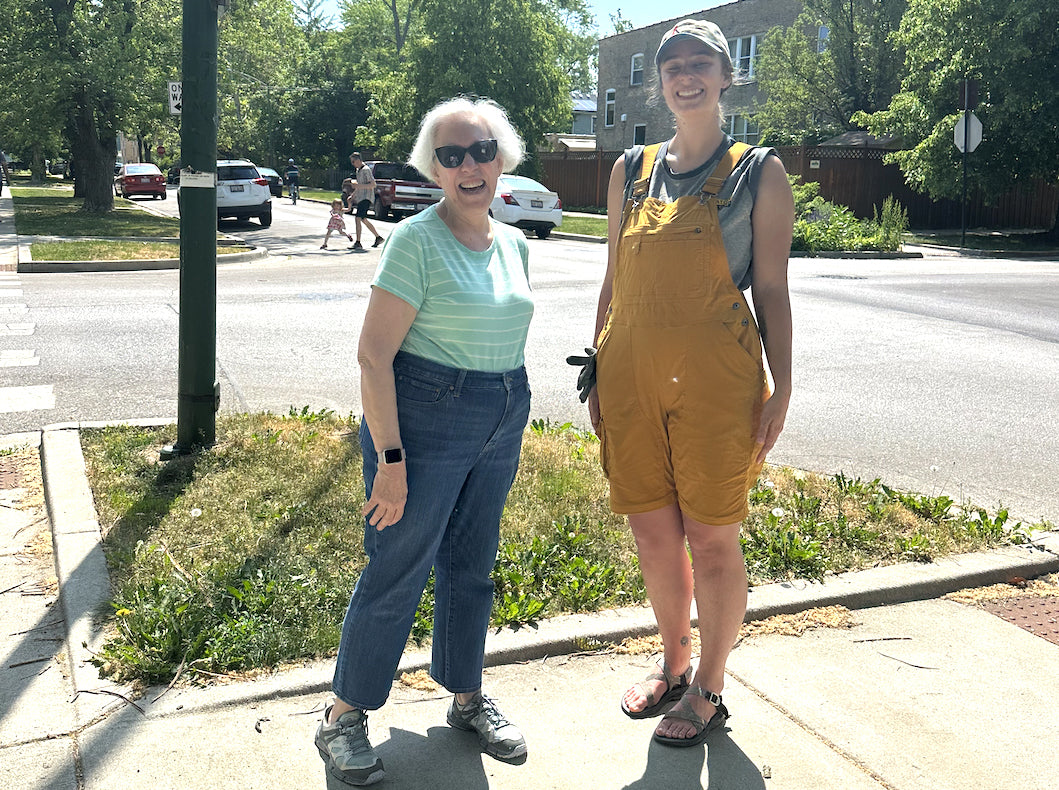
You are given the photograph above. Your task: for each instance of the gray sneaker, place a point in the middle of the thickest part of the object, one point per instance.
(498, 737)
(344, 747)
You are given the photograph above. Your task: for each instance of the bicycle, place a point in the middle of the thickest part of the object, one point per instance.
(295, 192)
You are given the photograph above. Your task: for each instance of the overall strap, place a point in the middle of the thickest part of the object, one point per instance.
(724, 169)
(642, 184)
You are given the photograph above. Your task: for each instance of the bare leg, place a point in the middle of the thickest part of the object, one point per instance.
(720, 596)
(326, 237)
(667, 576)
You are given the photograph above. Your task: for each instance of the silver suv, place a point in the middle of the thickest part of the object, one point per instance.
(242, 192)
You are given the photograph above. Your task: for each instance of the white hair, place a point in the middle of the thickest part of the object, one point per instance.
(510, 147)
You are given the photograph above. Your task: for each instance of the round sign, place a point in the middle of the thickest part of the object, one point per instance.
(161, 150)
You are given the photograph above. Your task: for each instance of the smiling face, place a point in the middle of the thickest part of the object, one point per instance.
(469, 187)
(693, 76)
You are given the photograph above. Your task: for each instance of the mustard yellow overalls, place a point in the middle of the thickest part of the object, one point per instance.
(679, 370)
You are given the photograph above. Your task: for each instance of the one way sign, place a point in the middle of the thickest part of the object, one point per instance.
(175, 100)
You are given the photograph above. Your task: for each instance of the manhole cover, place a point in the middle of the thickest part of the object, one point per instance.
(1036, 614)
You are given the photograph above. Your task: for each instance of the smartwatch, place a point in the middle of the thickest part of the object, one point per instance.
(393, 455)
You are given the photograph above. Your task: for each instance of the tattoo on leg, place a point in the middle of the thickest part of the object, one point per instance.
(684, 640)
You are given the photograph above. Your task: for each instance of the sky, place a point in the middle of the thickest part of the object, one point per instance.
(639, 12)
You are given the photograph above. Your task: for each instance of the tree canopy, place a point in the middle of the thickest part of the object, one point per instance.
(836, 60)
(1011, 47)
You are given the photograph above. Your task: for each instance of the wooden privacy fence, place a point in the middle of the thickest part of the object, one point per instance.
(854, 177)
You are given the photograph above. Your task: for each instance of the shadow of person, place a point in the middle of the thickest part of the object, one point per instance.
(727, 767)
(411, 759)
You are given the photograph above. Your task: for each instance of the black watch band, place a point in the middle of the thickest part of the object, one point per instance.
(393, 455)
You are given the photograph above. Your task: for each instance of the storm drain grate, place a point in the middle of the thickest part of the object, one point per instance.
(1036, 614)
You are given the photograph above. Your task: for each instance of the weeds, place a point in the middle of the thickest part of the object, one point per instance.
(245, 556)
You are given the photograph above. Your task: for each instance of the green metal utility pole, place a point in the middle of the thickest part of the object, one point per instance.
(198, 394)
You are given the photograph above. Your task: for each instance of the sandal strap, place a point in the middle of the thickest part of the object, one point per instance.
(671, 679)
(706, 694)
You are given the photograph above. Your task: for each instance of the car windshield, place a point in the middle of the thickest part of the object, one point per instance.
(521, 182)
(140, 170)
(237, 173)
(268, 172)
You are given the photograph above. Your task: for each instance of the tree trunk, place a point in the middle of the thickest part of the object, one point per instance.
(1054, 232)
(95, 160)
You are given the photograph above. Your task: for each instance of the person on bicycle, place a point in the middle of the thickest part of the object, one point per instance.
(291, 177)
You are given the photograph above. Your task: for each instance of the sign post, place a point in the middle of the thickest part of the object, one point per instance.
(967, 135)
(198, 394)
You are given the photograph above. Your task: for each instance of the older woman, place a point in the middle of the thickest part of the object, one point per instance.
(446, 401)
(682, 406)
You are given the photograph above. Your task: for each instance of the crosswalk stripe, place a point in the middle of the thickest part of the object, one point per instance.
(27, 398)
(17, 329)
(18, 358)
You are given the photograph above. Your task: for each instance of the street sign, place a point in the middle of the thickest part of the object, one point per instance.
(973, 131)
(175, 97)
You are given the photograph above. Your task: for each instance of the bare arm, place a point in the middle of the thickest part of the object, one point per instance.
(386, 323)
(773, 221)
(615, 204)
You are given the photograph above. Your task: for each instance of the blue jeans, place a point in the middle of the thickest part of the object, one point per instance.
(462, 435)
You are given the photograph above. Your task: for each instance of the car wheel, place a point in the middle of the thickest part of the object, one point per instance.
(544, 232)
(164, 195)
(265, 219)
(381, 212)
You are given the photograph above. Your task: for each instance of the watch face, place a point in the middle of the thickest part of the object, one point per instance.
(393, 456)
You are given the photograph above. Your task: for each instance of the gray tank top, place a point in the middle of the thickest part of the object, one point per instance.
(739, 190)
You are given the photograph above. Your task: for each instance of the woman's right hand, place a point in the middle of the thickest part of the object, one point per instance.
(593, 410)
(389, 492)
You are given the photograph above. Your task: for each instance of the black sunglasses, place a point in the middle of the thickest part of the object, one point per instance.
(452, 155)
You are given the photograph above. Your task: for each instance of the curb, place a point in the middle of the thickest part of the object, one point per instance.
(27, 264)
(85, 588)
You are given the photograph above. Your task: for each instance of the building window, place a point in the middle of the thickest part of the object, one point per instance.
(639, 134)
(743, 129)
(592, 126)
(822, 35)
(608, 108)
(744, 53)
(636, 69)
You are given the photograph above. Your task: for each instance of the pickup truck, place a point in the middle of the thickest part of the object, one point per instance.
(401, 190)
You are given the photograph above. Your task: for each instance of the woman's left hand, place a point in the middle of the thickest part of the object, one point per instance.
(773, 415)
(389, 492)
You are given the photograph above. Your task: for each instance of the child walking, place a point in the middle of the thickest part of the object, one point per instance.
(335, 223)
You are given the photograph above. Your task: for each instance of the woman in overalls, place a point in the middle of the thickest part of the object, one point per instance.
(682, 405)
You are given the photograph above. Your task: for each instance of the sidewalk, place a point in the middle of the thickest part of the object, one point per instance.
(921, 692)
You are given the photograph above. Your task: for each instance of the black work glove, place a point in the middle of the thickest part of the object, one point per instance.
(586, 379)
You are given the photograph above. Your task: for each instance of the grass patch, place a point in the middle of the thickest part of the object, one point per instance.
(588, 226)
(46, 211)
(245, 556)
(315, 194)
(991, 241)
(114, 250)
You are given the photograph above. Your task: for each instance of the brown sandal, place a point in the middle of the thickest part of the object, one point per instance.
(702, 726)
(676, 685)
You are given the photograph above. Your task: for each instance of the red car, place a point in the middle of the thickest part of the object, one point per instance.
(140, 178)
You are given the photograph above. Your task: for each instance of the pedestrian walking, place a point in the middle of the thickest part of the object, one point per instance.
(335, 222)
(446, 401)
(362, 197)
(681, 403)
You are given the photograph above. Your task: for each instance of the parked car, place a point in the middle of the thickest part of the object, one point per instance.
(56, 167)
(140, 178)
(526, 204)
(242, 192)
(275, 180)
(401, 190)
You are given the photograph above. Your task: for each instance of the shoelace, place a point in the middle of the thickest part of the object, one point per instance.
(492, 713)
(357, 732)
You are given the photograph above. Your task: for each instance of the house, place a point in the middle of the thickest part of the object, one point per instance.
(584, 112)
(626, 73)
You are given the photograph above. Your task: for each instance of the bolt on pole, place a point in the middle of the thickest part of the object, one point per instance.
(198, 394)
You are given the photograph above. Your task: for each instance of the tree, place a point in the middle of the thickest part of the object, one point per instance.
(836, 60)
(1011, 47)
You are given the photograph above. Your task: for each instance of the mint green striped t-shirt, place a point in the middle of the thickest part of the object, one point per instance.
(474, 308)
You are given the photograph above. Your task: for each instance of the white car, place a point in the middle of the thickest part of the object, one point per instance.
(524, 203)
(242, 192)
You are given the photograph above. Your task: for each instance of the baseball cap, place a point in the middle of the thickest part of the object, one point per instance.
(700, 30)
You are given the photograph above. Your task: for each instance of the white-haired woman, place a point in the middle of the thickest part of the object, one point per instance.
(446, 401)
(682, 406)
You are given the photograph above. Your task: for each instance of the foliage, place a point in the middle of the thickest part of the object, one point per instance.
(245, 556)
(1011, 47)
(822, 226)
(811, 95)
(39, 211)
